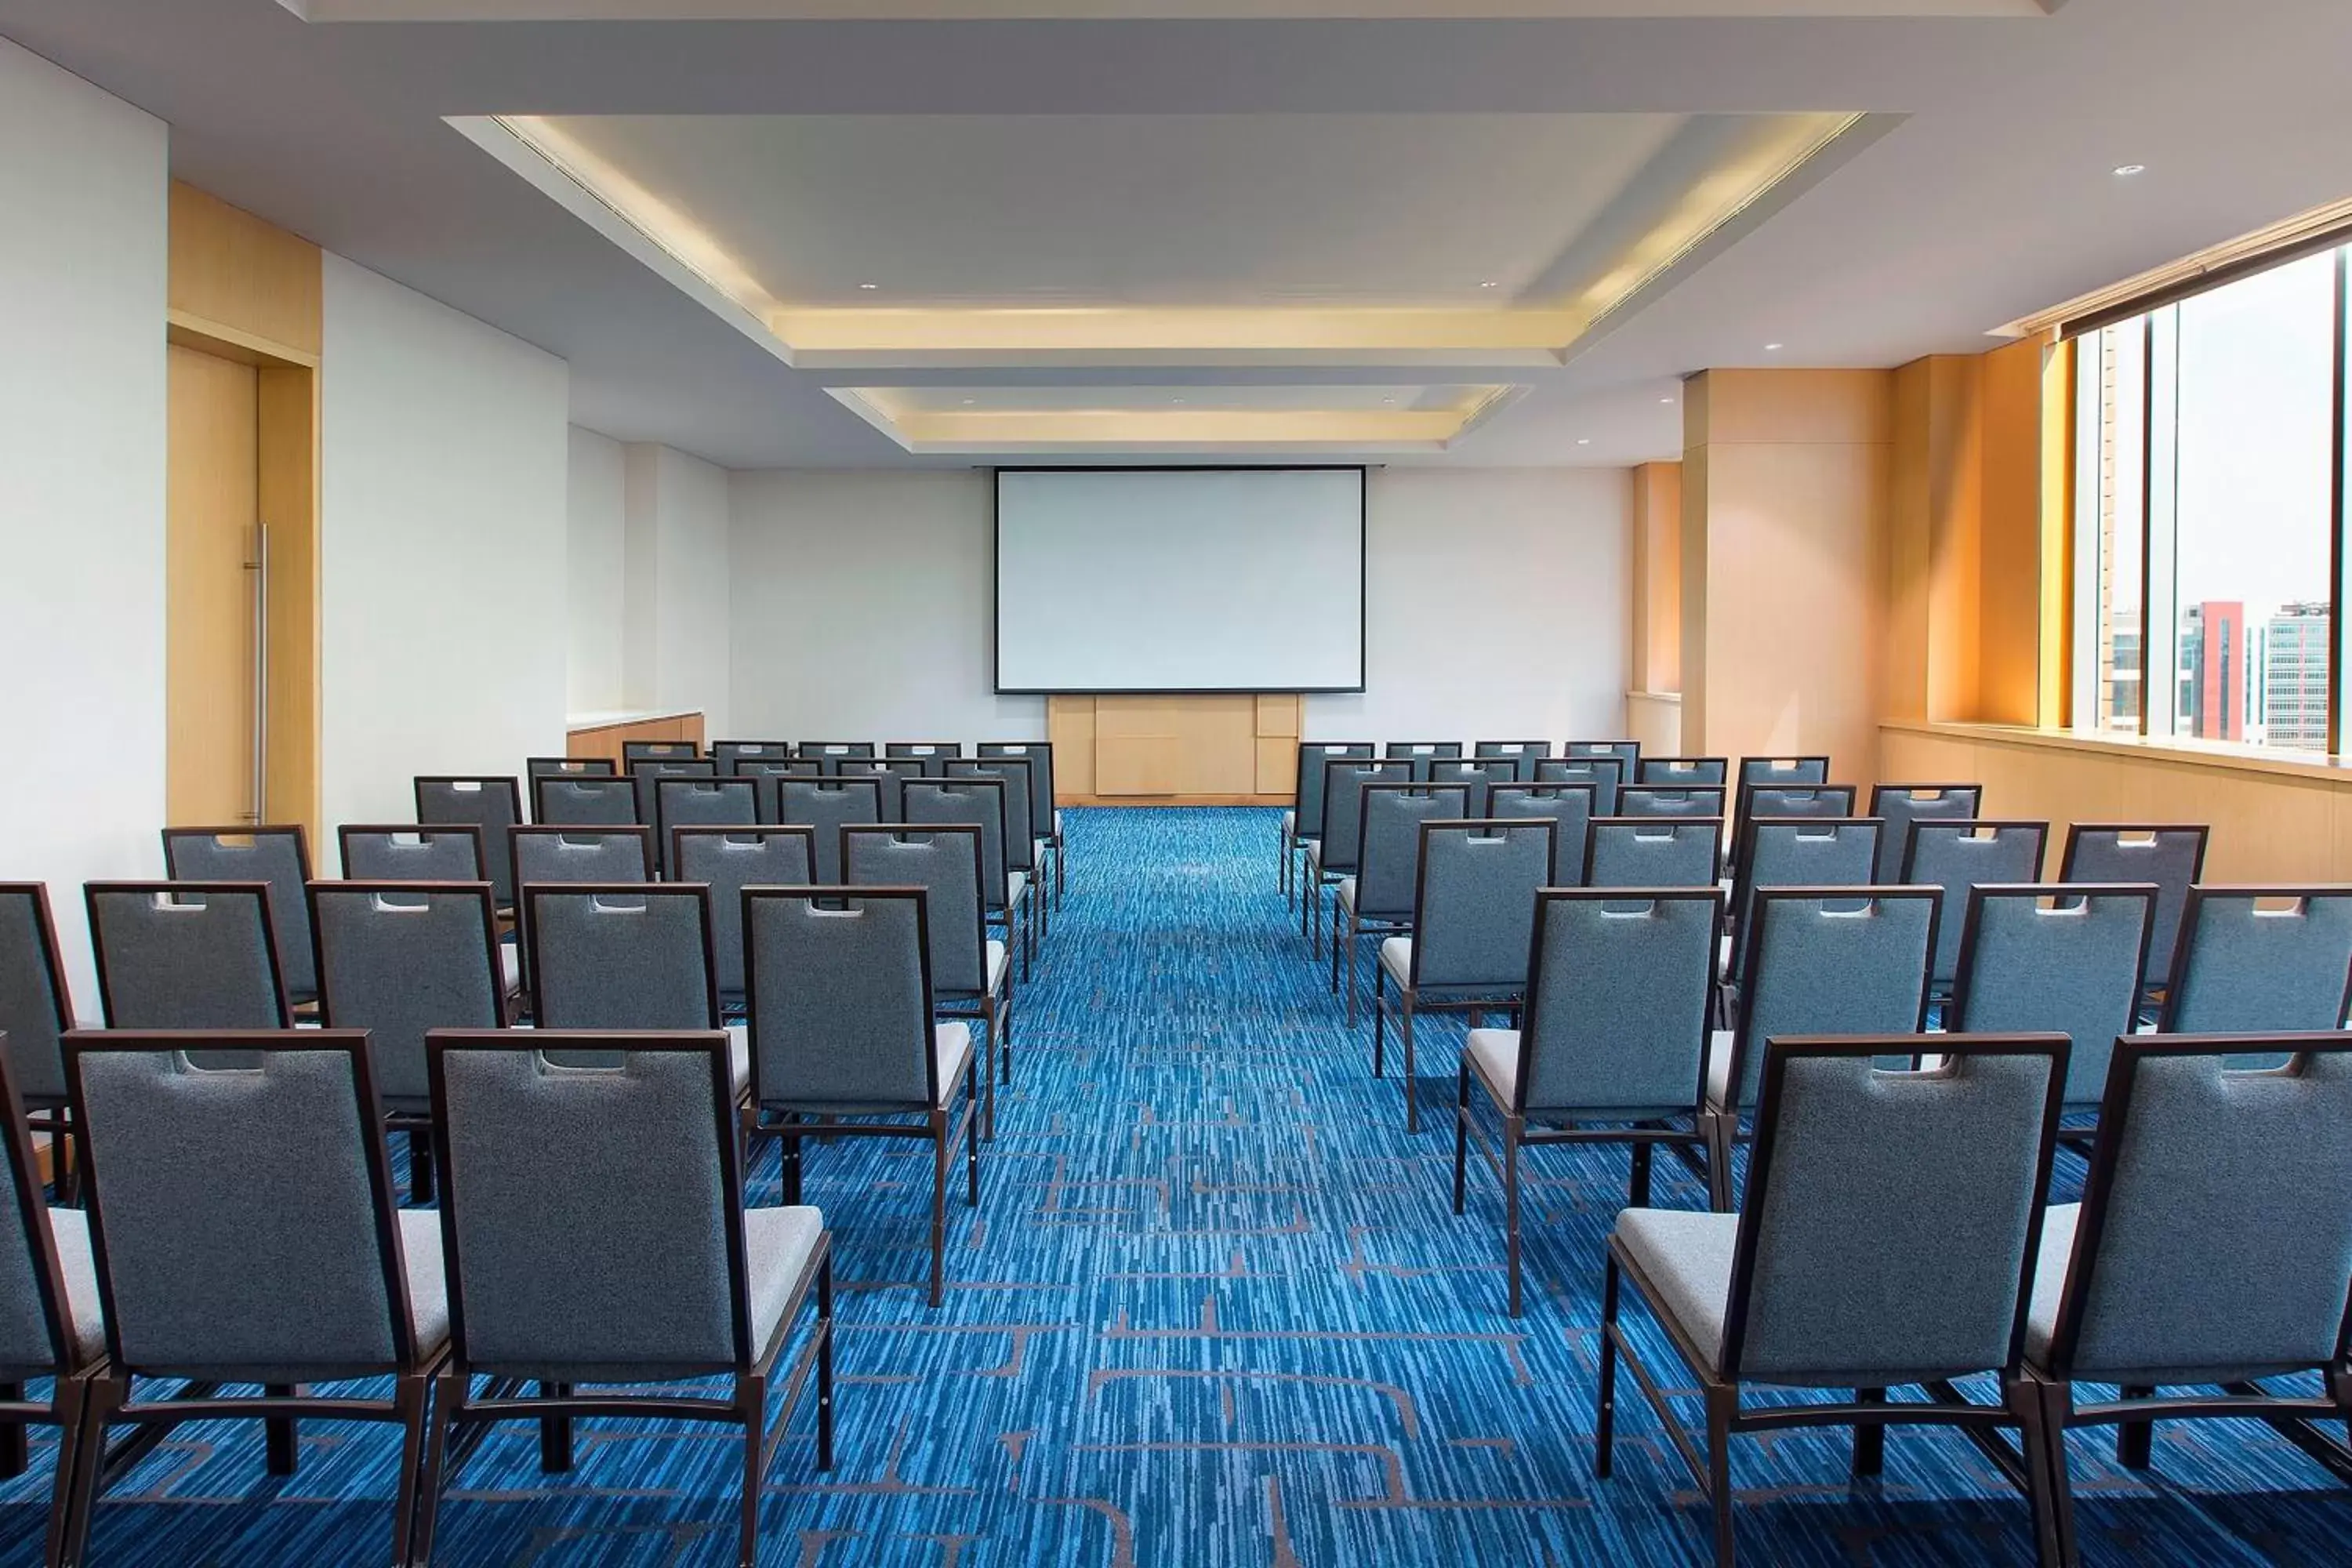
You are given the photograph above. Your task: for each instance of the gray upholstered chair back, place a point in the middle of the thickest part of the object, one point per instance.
(569, 767)
(1900, 805)
(2171, 855)
(2214, 1243)
(592, 1216)
(1312, 756)
(1659, 800)
(728, 859)
(1783, 771)
(841, 997)
(1627, 753)
(36, 1008)
(980, 802)
(1421, 754)
(401, 852)
(646, 773)
(1603, 775)
(1019, 825)
(1955, 856)
(1473, 911)
(1800, 853)
(1764, 803)
(1479, 777)
(889, 775)
(206, 1272)
(2054, 959)
(1568, 806)
(731, 755)
(1892, 1216)
(1039, 755)
(703, 803)
(400, 959)
(35, 1337)
(492, 804)
(277, 857)
(1617, 1001)
(186, 955)
(944, 861)
(2273, 960)
(1681, 772)
(1388, 842)
(615, 854)
(622, 956)
(1524, 754)
(765, 775)
(662, 751)
(932, 754)
(592, 800)
(1648, 852)
(1831, 961)
(1344, 779)
(827, 806)
(830, 754)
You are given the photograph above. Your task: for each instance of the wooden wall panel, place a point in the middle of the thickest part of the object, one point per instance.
(1070, 725)
(208, 614)
(1657, 661)
(243, 279)
(1221, 749)
(2016, 453)
(1655, 721)
(612, 740)
(287, 466)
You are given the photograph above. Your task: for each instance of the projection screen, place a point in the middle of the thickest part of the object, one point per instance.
(1128, 580)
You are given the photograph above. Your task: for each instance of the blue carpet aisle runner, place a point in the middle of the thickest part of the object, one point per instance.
(1213, 1311)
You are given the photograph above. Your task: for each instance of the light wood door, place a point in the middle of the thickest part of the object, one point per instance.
(208, 606)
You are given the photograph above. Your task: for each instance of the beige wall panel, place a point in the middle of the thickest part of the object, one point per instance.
(1278, 765)
(1280, 713)
(230, 269)
(1836, 407)
(287, 470)
(1138, 764)
(1656, 722)
(1070, 725)
(208, 611)
(2010, 622)
(1657, 663)
(1693, 628)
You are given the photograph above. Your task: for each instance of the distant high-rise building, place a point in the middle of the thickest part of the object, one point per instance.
(2120, 673)
(2296, 646)
(2213, 670)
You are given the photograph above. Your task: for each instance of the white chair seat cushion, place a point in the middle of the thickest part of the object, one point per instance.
(952, 1049)
(1686, 1257)
(1347, 894)
(511, 964)
(1723, 958)
(1289, 824)
(998, 961)
(2058, 1222)
(738, 1056)
(1017, 887)
(1493, 1057)
(1057, 822)
(429, 1286)
(86, 1325)
(1719, 1064)
(1396, 957)
(777, 1244)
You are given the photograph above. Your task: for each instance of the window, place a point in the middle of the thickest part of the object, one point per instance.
(2206, 445)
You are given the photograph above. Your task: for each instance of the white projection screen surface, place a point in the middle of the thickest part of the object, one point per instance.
(1126, 580)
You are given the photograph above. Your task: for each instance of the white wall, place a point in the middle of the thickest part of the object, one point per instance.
(443, 572)
(598, 535)
(861, 609)
(83, 179)
(1498, 607)
(679, 586)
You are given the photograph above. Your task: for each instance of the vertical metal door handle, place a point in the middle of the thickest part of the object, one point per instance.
(259, 566)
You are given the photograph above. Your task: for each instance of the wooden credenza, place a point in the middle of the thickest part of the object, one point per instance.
(1222, 750)
(604, 734)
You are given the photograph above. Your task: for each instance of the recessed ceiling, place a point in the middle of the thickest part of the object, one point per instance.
(1182, 419)
(1119, 10)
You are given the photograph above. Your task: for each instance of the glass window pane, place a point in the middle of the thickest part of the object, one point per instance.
(2121, 356)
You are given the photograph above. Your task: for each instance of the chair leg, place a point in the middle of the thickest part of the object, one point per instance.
(409, 1398)
(938, 1206)
(69, 1403)
(987, 1058)
(1354, 932)
(555, 1434)
(1379, 1015)
(281, 1437)
(1719, 1404)
(447, 1389)
(971, 1137)
(791, 1160)
(101, 1399)
(15, 1451)
(1512, 1128)
(1404, 1037)
(824, 1364)
(1460, 1134)
(1339, 918)
(1604, 1407)
(2135, 1440)
(1718, 1161)
(1869, 1438)
(1637, 1190)
(2025, 1401)
(752, 1392)
(420, 1167)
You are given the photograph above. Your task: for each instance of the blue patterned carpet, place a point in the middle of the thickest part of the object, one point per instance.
(1213, 1311)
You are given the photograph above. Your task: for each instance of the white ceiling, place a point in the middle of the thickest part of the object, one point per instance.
(1986, 193)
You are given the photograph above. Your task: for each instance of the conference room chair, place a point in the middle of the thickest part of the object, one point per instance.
(1653, 852)
(831, 753)
(1953, 856)
(36, 1011)
(1332, 855)
(731, 755)
(1888, 1241)
(1604, 776)
(1303, 823)
(1473, 926)
(1569, 807)
(2267, 959)
(727, 860)
(2211, 1253)
(548, 854)
(1523, 754)
(1627, 753)
(493, 804)
(844, 1023)
(626, 1184)
(1479, 777)
(1681, 772)
(277, 857)
(889, 775)
(1900, 805)
(1653, 801)
(186, 955)
(411, 852)
(971, 971)
(2055, 958)
(1783, 771)
(634, 752)
(932, 754)
(592, 801)
(1421, 754)
(762, 773)
(1795, 852)
(51, 1325)
(981, 803)
(1755, 803)
(1045, 810)
(2170, 855)
(569, 767)
(396, 961)
(646, 774)
(1822, 961)
(1376, 898)
(1613, 1046)
(825, 806)
(632, 956)
(313, 1276)
(701, 803)
(1023, 855)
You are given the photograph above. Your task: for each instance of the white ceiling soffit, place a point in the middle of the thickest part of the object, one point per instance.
(1129, 10)
(1264, 422)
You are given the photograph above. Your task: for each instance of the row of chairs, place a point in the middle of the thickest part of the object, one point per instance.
(591, 1231)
